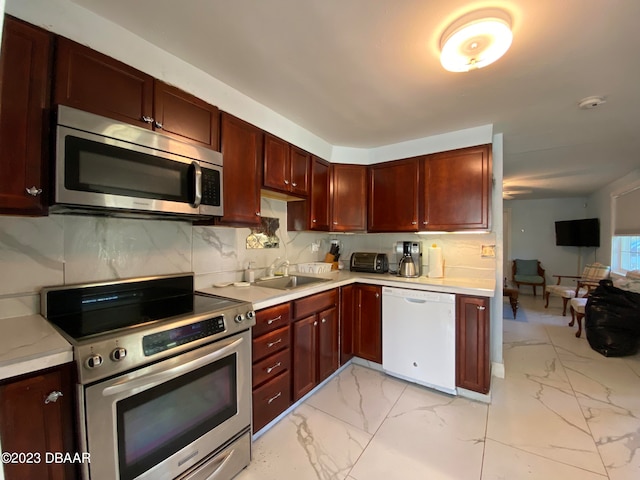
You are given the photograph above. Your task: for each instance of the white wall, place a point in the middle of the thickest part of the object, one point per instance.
(599, 205)
(533, 235)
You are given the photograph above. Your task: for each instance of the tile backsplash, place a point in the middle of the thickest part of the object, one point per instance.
(67, 249)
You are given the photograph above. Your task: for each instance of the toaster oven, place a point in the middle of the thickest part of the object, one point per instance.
(369, 262)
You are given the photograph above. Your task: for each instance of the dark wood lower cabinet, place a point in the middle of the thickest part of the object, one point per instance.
(367, 322)
(32, 422)
(473, 369)
(315, 341)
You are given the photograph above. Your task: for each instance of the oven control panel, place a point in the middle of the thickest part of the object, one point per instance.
(174, 337)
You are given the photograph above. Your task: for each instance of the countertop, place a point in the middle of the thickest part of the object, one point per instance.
(263, 297)
(28, 344)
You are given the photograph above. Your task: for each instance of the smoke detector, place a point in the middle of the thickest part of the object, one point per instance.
(591, 102)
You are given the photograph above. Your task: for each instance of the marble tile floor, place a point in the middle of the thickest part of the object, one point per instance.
(563, 411)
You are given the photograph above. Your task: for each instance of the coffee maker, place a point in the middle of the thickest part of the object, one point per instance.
(409, 253)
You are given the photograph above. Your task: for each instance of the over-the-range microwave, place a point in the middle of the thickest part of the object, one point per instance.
(113, 168)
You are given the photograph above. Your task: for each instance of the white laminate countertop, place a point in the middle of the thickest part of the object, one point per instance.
(263, 297)
(28, 344)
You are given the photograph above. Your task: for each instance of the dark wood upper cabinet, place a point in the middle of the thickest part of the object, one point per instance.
(457, 193)
(300, 167)
(473, 369)
(287, 168)
(25, 81)
(242, 150)
(319, 195)
(393, 196)
(276, 163)
(91, 81)
(348, 198)
(30, 423)
(185, 117)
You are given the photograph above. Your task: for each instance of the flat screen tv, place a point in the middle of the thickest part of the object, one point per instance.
(578, 233)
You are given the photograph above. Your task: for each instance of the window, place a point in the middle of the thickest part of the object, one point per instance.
(625, 253)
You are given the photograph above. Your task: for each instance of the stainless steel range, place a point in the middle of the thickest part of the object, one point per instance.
(164, 377)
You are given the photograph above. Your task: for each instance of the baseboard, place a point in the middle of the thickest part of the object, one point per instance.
(497, 369)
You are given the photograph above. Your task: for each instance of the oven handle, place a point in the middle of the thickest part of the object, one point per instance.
(152, 380)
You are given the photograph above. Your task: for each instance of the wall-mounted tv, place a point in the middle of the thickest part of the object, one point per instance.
(578, 233)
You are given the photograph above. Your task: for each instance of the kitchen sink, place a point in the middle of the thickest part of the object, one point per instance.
(290, 282)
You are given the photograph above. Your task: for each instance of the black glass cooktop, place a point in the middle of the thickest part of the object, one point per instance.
(90, 310)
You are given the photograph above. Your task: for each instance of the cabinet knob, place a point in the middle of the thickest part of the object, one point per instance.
(480, 307)
(286, 182)
(425, 223)
(258, 214)
(314, 220)
(414, 223)
(158, 125)
(146, 119)
(294, 184)
(335, 223)
(324, 320)
(377, 295)
(315, 324)
(53, 397)
(34, 191)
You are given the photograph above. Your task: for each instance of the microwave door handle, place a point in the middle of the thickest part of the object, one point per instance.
(152, 380)
(197, 178)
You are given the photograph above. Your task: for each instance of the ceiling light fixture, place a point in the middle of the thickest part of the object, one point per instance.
(475, 40)
(591, 102)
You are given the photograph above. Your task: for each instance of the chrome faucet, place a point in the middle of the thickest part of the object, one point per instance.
(274, 265)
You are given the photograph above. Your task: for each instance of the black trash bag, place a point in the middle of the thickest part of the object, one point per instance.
(612, 320)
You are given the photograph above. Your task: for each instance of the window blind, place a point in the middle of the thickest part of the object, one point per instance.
(627, 219)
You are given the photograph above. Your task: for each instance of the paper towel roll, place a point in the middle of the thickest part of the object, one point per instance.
(436, 263)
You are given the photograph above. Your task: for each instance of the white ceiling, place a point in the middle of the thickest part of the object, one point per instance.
(366, 73)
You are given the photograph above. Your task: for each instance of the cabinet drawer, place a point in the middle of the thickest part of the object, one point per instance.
(271, 366)
(314, 303)
(270, 343)
(272, 318)
(270, 400)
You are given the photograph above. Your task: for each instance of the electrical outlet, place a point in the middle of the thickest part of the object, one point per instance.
(315, 247)
(488, 251)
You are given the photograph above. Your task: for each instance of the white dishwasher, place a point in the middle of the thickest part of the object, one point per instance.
(419, 337)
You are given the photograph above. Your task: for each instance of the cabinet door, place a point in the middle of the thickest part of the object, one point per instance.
(28, 424)
(300, 168)
(458, 189)
(319, 197)
(305, 358)
(347, 311)
(276, 164)
(367, 329)
(348, 198)
(25, 74)
(327, 343)
(181, 115)
(242, 152)
(94, 82)
(472, 343)
(393, 196)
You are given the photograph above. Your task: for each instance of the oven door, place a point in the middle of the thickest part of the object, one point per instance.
(159, 421)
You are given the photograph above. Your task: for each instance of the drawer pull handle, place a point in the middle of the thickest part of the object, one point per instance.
(274, 398)
(53, 397)
(271, 344)
(271, 369)
(269, 322)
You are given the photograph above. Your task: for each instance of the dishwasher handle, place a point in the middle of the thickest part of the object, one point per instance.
(414, 300)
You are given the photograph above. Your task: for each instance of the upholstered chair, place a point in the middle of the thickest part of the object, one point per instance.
(589, 279)
(528, 272)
